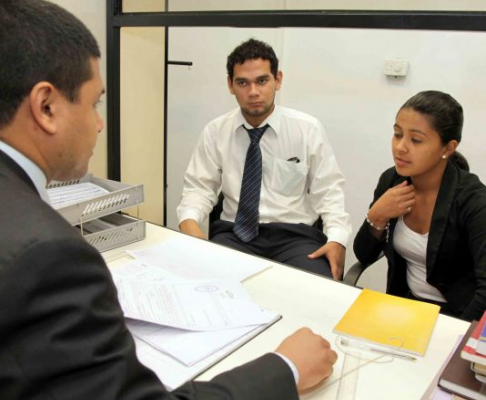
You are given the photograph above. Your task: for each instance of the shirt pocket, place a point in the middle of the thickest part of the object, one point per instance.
(288, 177)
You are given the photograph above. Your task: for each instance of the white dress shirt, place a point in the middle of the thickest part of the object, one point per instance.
(301, 178)
(31, 169)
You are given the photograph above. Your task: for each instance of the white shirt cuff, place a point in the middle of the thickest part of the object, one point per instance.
(338, 235)
(190, 214)
(292, 367)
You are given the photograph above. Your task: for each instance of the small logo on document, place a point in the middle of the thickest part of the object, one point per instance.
(206, 288)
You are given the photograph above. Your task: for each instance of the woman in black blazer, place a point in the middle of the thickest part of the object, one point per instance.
(428, 214)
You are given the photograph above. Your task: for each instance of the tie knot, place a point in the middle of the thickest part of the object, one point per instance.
(256, 133)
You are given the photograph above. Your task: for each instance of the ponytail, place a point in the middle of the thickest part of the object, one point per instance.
(459, 160)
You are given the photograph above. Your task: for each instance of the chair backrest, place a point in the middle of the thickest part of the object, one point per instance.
(215, 214)
(318, 224)
(354, 273)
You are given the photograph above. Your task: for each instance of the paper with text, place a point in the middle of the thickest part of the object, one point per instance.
(189, 347)
(191, 258)
(138, 270)
(173, 373)
(71, 194)
(192, 305)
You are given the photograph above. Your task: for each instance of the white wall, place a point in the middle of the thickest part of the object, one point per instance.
(93, 14)
(335, 75)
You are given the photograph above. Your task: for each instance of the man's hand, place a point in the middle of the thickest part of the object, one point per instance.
(335, 254)
(190, 227)
(312, 356)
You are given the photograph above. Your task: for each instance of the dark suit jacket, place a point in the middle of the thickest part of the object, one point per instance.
(456, 249)
(62, 333)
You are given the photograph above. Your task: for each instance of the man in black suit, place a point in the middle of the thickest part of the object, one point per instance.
(62, 332)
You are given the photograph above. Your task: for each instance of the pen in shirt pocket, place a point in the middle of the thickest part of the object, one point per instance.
(294, 159)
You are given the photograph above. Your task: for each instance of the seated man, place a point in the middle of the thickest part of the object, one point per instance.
(63, 335)
(276, 170)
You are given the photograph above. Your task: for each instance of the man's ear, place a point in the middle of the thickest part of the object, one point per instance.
(43, 105)
(230, 85)
(278, 80)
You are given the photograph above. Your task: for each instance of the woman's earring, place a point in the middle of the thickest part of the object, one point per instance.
(444, 156)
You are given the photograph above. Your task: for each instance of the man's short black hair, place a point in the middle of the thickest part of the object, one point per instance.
(40, 41)
(252, 49)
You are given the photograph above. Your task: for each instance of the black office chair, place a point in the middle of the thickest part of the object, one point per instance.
(354, 273)
(215, 215)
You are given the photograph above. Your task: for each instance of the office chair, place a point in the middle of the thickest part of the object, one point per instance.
(215, 214)
(354, 273)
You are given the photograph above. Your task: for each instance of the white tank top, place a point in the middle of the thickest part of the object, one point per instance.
(412, 246)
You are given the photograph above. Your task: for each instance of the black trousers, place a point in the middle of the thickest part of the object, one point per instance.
(286, 243)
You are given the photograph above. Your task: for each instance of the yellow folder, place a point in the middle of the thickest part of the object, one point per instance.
(389, 321)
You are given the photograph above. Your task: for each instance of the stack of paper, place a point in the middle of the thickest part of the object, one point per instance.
(71, 194)
(190, 258)
(174, 373)
(181, 327)
(188, 347)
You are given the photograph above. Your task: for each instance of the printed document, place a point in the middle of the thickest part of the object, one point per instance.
(193, 258)
(71, 194)
(189, 347)
(193, 305)
(221, 308)
(174, 373)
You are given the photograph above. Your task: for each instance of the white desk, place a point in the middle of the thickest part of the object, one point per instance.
(305, 299)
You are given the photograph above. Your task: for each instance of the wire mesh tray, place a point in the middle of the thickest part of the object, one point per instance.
(113, 231)
(116, 197)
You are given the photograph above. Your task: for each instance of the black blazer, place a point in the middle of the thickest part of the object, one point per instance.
(456, 249)
(62, 332)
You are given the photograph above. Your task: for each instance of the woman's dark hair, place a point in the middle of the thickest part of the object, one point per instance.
(40, 41)
(445, 115)
(252, 49)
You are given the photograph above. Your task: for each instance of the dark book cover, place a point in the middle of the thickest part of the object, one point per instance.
(459, 378)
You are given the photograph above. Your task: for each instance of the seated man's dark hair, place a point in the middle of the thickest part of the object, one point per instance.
(40, 41)
(252, 49)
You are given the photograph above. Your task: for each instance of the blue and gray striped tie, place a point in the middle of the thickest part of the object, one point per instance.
(246, 223)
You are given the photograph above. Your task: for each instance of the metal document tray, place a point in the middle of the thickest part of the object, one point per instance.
(121, 196)
(112, 231)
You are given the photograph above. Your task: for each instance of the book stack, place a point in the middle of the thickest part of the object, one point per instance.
(475, 350)
(465, 374)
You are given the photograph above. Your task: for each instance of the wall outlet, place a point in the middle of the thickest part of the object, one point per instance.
(395, 67)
